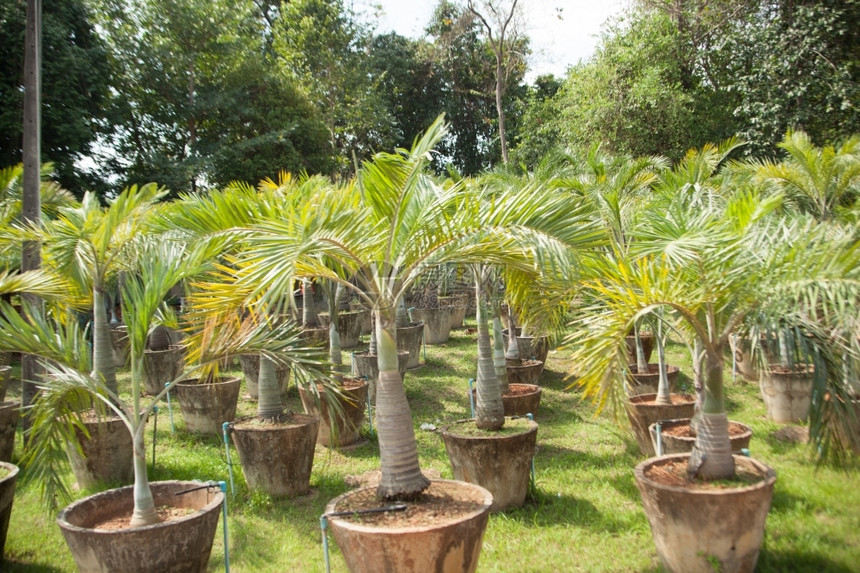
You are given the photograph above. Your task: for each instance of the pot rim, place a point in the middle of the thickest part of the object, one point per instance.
(361, 527)
(187, 382)
(270, 427)
(767, 480)
(533, 427)
(13, 470)
(639, 398)
(682, 421)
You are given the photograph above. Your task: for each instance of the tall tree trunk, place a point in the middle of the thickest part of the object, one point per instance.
(31, 259)
(398, 450)
(269, 400)
(103, 364)
(663, 392)
(489, 411)
(144, 505)
(712, 452)
(499, 362)
(309, 309)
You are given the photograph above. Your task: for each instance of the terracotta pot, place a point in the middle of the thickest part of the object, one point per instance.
(409, 339)
(107, 454)
(5, 379)
(250, 364)
(160, 367)
(119, 345)
(366, 365)
(451, 544)
(647, 340)
(8, 476)
(526, 372)
(697, 530)
(345, 431)
(277, 457)
(642, 412)
(648, 382)
(672, 443)
(522, 399)
(437, 323)
(182, 544)
(206, 406)
(9, 412)
(787, 395)
(348, 326)
(499, 462)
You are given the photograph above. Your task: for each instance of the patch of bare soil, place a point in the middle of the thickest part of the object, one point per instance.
(441, 502)
(165, 513)
(674, 474)
(684, 431)
(519, 390)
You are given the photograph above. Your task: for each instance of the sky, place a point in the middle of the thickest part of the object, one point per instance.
(562, 32)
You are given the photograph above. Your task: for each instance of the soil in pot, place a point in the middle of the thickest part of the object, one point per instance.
(648, 382)
(277, 455)
(207, 405)
(8, 477)
(520, 400)
(182, 543)
(499, 461)
(677, 436)
(441, 531)
(787, 393)
(701, 526)
(524, 371)
(642, 411)
(344, 432)
(9, 412)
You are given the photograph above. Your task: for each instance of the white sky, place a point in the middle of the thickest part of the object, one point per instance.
(562, 32)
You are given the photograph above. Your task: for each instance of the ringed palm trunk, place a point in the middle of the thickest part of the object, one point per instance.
(499, 352)
(102, 347)
(144, 505)
(712, 452)
(663, 394)
(489, 411)
(269, 401)
(309, 311)
(398, 451)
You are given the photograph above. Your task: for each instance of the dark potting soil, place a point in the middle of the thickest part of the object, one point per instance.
(683, 430)
(442, 501)
(674, 473)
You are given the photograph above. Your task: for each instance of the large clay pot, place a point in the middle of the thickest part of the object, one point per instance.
(250, 364)
(706, 530)
(207, 405)
(182, 544)
(648, 382)
(676, 438)
(409, 338)
(348, 326)
(530, 347)
(366, 316)
(8, 476)
(107, 453)
(5, 379)
(460, 302)
(524, 371)
(339, 430)
(119, 345)
(9, 412)
(277, 457)
(520, 400)
(450, 544)
(647, 340)
(499, 462)
(642, 412)
(366, 365)
(787, 394)
(160, 367)
(437, 323)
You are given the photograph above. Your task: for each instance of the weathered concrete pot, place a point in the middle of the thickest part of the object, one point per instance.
(460, 303)
(5, 379)
(348, 326)
(160, 367)
(409, 339)
(182, 544)
(787, 395)
(647, 340)
(452, 544)
(366, 364)
(437, 323)
(719, 529)
(107, 454)
(9, 412)
(119, 345)
(499, 462)
(8, 477)
(316, 336)
(277, 457)
(642, 412)
(526, 372)
(739, 435)
(207, 405)
(744, 362)
(250, 364)
(366, 317)
(522, 399)
(339, 431)
(533, 347)
(648, 382)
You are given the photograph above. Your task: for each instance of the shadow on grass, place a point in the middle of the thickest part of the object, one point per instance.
(548, 509)
(11, 566)
(798, 561)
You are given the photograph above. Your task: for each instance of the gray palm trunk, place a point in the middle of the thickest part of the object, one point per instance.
(663, 392)
(712, 452)
(499, 363)
(489, 410)
(269, 400)
(398, 450)
(309, 310)
(103, 364)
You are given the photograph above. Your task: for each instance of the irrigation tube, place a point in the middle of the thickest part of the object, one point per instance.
(323, 525)
(471, 397)
(223, 487)
(170, 410)
(225, 430)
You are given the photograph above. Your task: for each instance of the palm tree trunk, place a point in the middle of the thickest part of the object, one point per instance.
(513, 350)
(499, 362)
(663, 395)
(398, 451)
(102, 347)
(489, 411)
(269, 401)
(309, 311)
(712, 453)
(144, 505)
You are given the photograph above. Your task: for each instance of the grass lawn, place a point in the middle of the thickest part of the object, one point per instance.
(586, 514)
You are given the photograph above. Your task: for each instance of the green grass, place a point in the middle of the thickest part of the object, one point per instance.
(585, 515)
